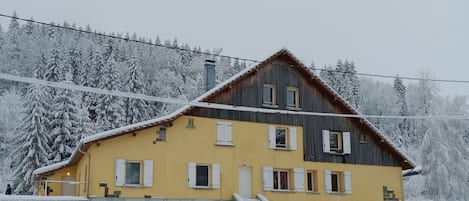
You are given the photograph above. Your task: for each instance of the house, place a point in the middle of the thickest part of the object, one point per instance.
(200, 153)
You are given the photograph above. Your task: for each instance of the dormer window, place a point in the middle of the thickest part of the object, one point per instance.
(268, 96)
(293, 98)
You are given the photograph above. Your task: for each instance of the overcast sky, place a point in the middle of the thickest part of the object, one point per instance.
(383, 37)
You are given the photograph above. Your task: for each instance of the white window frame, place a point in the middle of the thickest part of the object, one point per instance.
(290, 138)
(279, 171)
(273, 95)
(343, 142)
(208, 175)
(296, 95)
(344, 182)
(224, 133)
(139, 173)
(213, 175)
(145, 173)
(285, 144)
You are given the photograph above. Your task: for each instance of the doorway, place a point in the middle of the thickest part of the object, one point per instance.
(244, 181)
(68, 188)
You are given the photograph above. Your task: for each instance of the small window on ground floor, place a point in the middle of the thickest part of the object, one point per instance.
(337, 182)
(281, 179)
(202, 175)
(132, 173)
(312, 176)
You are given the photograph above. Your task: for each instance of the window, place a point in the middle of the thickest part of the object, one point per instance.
(131, 173)
(203, 175)
(268, 95)
(362, 138)
(337, 182)
(190, 123)
(335, 139)
(293, 97)
(311, 177)
(281, 179)
(282, 138)
(336, 142)
(224, 133)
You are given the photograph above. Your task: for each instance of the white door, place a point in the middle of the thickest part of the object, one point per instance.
(68, 188)
(244, 181)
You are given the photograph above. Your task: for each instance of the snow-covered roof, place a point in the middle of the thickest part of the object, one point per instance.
(212, 92)
(414, 171)
(52, 167)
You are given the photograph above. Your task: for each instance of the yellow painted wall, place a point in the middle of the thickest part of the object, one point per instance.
(250, 148)
(57, 176)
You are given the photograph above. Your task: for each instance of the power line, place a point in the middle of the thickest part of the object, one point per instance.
(390, 76)
(222, 56)
(125, 39)
(74, 87)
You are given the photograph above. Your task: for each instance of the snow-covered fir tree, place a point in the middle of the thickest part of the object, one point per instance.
(32, 139)
(12, 50)
(344, 80)
(136, 110)
(64, 123)
(401, 103)
(73, 61)
(110, 113)
(53, 70)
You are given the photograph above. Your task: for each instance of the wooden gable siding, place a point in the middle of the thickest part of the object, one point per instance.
(248, 92)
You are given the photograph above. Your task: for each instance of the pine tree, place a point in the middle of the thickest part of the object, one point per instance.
(2, 40)
(32, 143)
(53, 72)
(85, 126)
(344, 80)
(73, 62)
(136, 109)
(108, 109)
(328, 75)
(14, 54)
(401, 103)
(64, 124)
(29, 27)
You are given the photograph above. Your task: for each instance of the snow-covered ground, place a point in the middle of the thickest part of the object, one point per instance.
(32, 197)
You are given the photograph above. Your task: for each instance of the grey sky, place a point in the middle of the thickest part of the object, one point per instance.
(384, 37)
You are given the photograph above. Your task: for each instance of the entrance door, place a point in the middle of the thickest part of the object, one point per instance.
(67, 188)
(244, 181)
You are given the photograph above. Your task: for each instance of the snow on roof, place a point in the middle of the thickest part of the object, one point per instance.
(52, 167)
(183, 109)
(414, 171)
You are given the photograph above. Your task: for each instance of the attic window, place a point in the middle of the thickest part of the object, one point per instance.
(268, 96)
(190, 123)
(362, 138)
(293, 97)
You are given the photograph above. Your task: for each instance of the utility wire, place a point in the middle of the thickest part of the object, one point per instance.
(218, 55)
(65, 85)
(390, 76)
(125, 39)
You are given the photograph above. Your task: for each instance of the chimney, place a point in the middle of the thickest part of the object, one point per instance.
(209, 74)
